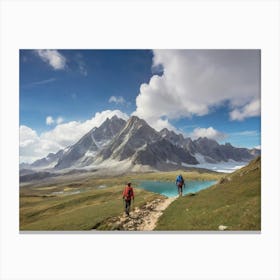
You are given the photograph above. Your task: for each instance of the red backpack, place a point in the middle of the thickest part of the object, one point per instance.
(129, 193)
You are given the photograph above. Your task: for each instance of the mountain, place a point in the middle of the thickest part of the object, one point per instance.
(171, 136)
(134, 136)
(134, 145)
(214, 152)
(81, 153)
(208, 150)
(49, 161)
(143, 145)
(255, 152)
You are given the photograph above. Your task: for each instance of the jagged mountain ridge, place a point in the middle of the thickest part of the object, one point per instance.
(144, 146)
(135, 141)
(209, 149)
(49, 161)
(87, 147)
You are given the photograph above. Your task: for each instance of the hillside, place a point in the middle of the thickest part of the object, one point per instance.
(234, 202)
(85, 203)
(76, 211)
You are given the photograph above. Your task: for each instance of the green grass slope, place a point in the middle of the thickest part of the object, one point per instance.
(83, 211)
(234, 202)
(43, 207)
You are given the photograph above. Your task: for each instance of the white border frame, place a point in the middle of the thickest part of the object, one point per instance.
(153, 24)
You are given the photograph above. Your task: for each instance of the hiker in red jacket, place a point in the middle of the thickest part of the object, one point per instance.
(128, 194)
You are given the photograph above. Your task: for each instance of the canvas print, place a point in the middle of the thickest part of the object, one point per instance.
(161, 140)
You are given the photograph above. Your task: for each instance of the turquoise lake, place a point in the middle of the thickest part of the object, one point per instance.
(169, 189)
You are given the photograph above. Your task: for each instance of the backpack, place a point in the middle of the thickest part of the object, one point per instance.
(129, 193)
(180, 181)
(180, 184)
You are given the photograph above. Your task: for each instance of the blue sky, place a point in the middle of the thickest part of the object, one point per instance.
(199, 93)
(75, 94)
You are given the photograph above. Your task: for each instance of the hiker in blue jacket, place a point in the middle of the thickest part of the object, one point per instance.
(180, 183)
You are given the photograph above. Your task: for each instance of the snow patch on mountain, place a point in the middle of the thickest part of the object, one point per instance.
(225, 167)
(171, 162)
(90, 154)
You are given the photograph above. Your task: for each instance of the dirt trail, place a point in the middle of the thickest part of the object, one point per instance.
(141, 219)
(150, 221)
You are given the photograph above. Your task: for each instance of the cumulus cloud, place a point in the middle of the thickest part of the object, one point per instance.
(117, 99)
(49, 120)
(209, 132)
(34, 146)
(52, 57)
(68, 133)
(195, 82)
(27, 136)
(252, 109)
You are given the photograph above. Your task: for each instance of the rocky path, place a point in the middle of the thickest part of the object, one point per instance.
(141, 219)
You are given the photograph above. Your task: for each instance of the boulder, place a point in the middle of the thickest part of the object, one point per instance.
(222, 227)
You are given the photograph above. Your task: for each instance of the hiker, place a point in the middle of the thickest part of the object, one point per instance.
(180, 183)
(128, 194)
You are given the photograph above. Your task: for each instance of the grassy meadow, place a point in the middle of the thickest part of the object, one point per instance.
(83, 203)
(235, 202)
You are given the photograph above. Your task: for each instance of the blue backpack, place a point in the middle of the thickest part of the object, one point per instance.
(179, 181)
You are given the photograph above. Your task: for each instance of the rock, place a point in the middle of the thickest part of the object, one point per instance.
(221, 227)
(117, 226)
(223, 180)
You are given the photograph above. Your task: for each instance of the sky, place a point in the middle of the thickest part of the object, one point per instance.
(199, 93)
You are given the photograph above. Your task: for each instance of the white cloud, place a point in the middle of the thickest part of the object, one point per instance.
(252, 109)
(194, 82)
(117, 99)
(159, 124)
(246, 133)
(49, 120)
(34, 146)
(38, 83)
(59, 120)
(209, 132)
(52, 57)
(27, 136)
